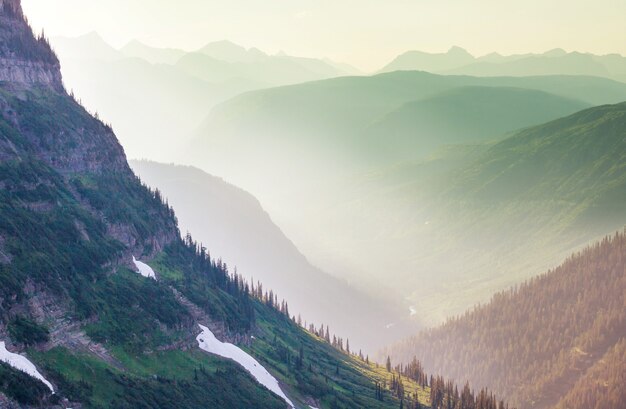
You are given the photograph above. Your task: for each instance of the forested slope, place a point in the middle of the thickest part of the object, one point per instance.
(554, 341)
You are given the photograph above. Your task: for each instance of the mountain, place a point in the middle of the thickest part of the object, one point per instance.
(153, 55)
(230, 52)
(545, 64)
(506, 209)
(148, 103)
(351, 104)
(90, 46)
(421, 61)
(265, 71)
(232, 223)
(491, 205)
(282, 68)
(556, 341)
(327, 118)
(324, 145)
(553, 62)
(211, 69)
(459, 116)
(104, 304)
(168, 91)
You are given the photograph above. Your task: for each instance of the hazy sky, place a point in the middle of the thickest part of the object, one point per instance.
(366, 33)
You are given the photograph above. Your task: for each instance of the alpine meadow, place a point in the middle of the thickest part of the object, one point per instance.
(213, 204)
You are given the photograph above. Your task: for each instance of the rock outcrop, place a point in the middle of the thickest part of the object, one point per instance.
(25, 60)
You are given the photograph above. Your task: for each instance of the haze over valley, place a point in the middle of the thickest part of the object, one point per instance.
(312, 205)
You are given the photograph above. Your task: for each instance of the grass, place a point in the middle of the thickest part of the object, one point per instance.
(332, 378)
(189, 379)
(166, 272)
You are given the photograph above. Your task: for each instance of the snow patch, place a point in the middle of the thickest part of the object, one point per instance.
(208, 342)
(144, 269)
(412, 311)
(22, 364)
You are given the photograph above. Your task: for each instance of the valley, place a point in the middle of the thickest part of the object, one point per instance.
(200, 207)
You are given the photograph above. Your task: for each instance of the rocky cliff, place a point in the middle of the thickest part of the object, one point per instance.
(25, 60)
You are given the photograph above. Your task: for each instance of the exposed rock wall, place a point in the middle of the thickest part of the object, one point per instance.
(25, 59)
(29, 73)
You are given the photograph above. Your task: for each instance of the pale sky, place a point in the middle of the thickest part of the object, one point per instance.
(365, 33)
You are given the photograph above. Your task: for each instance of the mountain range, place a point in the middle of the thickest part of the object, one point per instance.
(148, 285)
(356, 148)
(457, 61)
(169, 90)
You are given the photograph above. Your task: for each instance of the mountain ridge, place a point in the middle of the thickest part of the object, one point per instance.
(552, 62)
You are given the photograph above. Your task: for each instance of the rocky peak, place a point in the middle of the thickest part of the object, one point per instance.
(25, 60)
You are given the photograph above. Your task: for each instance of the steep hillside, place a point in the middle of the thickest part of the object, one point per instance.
(232, 223)
(602, 385)
(579, 159)
(554, 341)
(86, 319)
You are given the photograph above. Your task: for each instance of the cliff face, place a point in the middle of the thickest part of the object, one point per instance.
(25, 60)
(48, 141)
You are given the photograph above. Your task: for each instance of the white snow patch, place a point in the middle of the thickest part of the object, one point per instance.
(393, 324)
(208, 342)
(312, 407)
(412, 311)
(22, 364)
(144, 269)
